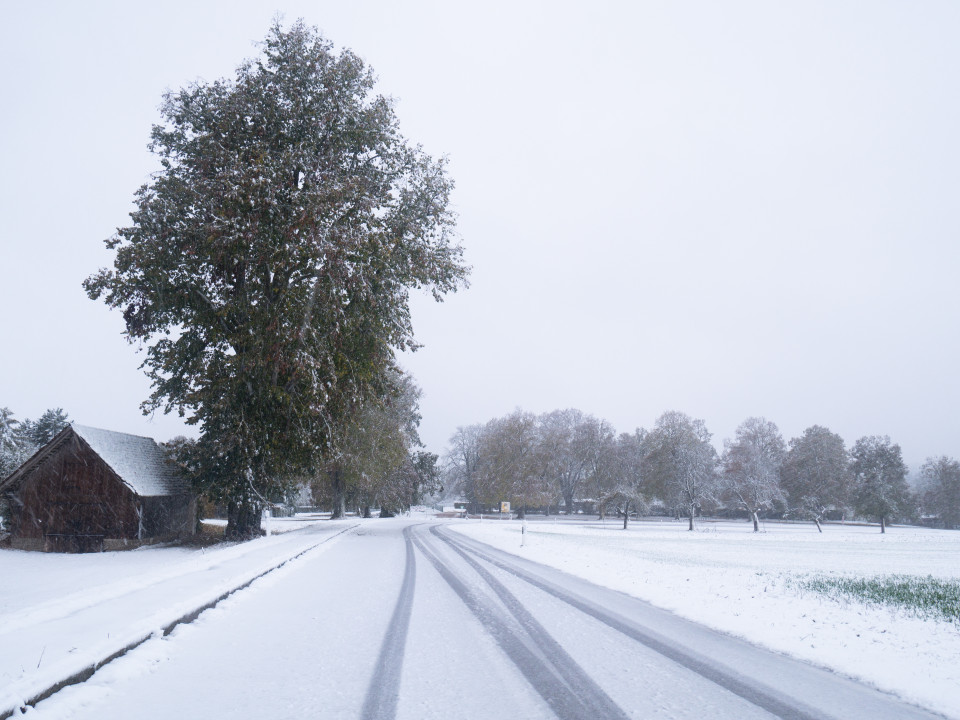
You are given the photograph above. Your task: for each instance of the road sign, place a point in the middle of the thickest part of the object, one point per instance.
(504, 507)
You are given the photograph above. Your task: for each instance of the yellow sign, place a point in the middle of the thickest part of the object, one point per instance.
(504, 507)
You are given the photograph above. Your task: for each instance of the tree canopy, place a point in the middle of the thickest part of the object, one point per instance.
(372, 460)
(268, 265)
(880, 479)
(815, 473)
(682, 462)
(941, 489)
(751, 467)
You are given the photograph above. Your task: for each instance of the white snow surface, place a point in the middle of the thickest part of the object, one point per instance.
(742, 583)
(61, 613)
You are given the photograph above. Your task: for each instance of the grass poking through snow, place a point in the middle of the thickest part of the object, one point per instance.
(928, 597)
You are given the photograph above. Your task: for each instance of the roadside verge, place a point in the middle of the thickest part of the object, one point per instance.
(37, 687)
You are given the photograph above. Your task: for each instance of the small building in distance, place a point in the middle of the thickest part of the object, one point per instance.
(90, 490)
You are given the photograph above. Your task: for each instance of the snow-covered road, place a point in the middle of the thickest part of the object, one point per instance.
(400, 618)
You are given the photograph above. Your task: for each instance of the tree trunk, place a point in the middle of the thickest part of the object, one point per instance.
(568, 502)
(692, 513)
(366, 511)
(883, 524)
(626, 514)
(339, 495)
(817, 521)
(243, 520)
(756, 521)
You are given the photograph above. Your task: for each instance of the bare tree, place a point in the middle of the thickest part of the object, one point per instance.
(751, 468)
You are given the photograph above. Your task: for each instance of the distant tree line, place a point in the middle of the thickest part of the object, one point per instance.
(567, 461)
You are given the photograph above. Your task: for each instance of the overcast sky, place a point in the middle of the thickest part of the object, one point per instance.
(730, 209)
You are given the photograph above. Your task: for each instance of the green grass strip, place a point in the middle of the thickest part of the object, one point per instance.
(928, 597)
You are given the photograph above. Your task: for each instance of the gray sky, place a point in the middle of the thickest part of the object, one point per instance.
(729, 209)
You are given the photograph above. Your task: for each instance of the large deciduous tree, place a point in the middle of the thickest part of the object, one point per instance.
(681, 462)
(751, 467)
(815, 473)
(629, 463)
(506, 462)
(940, 478)
(880, 479)
(269, 262)
(513, 466)
(428, 482)
(604, 469)
(369, 463)
(565, 451)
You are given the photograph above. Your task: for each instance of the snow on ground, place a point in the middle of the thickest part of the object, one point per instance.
(29, 578)
(59, 613)
(276, 526)
(297, 643)
(743, 583)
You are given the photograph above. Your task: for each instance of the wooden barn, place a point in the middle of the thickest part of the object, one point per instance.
(90, 490)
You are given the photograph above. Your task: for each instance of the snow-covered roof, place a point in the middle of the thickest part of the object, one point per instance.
(138, 461)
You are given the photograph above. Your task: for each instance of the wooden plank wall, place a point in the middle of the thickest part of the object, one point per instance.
(73, 501)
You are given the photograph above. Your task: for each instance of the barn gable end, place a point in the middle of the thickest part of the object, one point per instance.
(91, 489)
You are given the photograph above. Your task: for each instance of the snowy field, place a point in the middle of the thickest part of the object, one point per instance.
(746, 584)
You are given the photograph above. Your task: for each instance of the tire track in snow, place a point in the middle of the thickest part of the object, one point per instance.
(589, 692)
(560, 681)
(757, 693)
(769, 701)
(384, 690)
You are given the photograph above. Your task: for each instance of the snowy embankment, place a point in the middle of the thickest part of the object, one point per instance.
(61, 614)
(747, 584)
